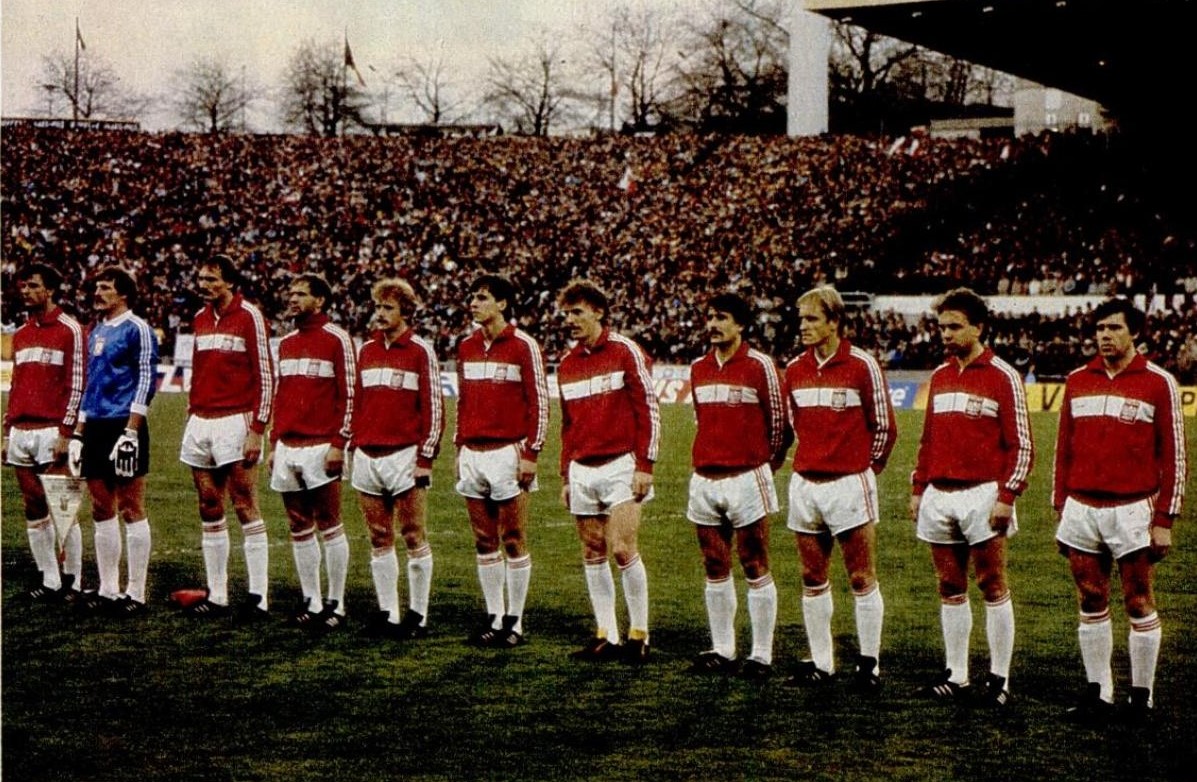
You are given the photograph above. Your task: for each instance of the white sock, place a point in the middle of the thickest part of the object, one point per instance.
(216, 560)
(73, 563)
(336, 562)
(762, 610)
(635, 593)
(491, 574)
(256, 546)
(721, 612)
(957, 621)
(601, 586)
(817, 609)
(999, 629)
(419, 580)
(42, 546)
(384, 567)
(1096, 636)
(307, 566)
(870, 615)
(108, 556)
(519, 573)
(137, 541)
(1144, 648)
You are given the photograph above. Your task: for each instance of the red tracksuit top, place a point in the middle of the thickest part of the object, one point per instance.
(313, 400)
(841, 413)
(608, 404)
(47, 373)
(976, 428)
(502, 392)
(398, 401)
(231, 367)
(1121, 439)
(740, 411)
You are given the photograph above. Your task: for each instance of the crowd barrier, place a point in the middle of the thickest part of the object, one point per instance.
(672, 385)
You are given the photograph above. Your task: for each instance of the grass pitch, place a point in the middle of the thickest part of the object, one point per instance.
(168, 698)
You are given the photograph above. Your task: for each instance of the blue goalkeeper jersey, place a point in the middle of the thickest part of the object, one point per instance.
(122, 368)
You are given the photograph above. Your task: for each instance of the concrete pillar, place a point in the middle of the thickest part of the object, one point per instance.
(810, 47)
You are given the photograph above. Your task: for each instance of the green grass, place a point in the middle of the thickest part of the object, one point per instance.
(171, 699)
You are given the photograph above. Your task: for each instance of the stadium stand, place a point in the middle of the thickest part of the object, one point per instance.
(662, 220)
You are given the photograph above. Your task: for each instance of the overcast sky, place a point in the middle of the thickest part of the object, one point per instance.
(146, 41)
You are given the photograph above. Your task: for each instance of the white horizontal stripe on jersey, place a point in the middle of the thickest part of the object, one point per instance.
(722, 393)
(305, 367)
(599, 384)
(40, 356)
(491, 370)
(390, 378)
(970, 405)
(1120, 407)
(226, 342)
(835, 398)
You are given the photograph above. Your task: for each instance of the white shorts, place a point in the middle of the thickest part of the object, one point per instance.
(834, 506)
(594, 491)
(389, 475)
(960, 516)
(1119, 529)
(490, 475)
(741, 499)
(31, 447)
(209, 443)
(299, 468)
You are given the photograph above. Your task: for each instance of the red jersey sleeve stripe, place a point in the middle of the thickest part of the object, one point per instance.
(650, 396)
(71, 414)
(1026, 449)
(776, 411)
(1172, 483)
(435, 401)
(265, 371)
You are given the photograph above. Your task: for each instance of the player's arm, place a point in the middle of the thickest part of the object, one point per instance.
(772, 394)
(1172, 460)
(880, 418)
(647, 414)
(432, 415)
(258, 345)
(919, 477)
(345, 375)
(536, 394)
(77, 377)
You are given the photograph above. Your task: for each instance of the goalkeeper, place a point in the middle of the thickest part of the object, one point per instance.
(111, 444)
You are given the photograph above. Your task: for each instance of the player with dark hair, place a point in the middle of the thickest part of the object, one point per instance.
(844, 423)
(1119, 484)
(313, 405)
(232, 389)
(398, 420)
(610, 438)
(502, 422)
(112, 442)
(43, 407)
(973, 462)
(740, 441)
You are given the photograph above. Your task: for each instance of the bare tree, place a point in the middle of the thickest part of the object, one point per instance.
(530, 90)
(427, 83)
(210, 96)
(319, 96)
(632, 51)
(100, 94)
(863, 61)
(733, 73)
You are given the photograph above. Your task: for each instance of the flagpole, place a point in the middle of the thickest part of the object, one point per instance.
(75, 102)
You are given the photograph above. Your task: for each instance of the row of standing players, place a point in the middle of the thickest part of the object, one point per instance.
(1118, 483)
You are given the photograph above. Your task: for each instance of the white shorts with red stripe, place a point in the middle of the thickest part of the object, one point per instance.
(741, 499)
(834, 506)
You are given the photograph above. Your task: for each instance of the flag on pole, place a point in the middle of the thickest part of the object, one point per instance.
(349, 63)
(79, 37)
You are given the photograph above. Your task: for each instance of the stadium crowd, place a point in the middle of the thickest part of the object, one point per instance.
(662, 221)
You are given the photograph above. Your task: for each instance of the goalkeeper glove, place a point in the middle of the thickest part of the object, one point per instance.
(124, 454)
(75, 455)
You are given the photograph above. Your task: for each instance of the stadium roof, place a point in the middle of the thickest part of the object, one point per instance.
(1133, 57)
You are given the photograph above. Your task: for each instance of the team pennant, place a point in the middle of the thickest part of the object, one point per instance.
(64, 495)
